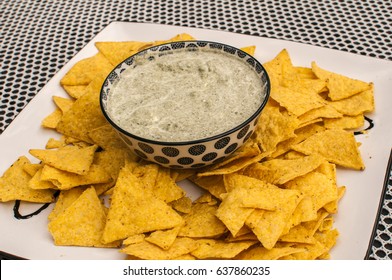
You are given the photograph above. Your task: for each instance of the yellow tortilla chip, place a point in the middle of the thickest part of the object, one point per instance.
(250, 50)
(148, 251)
(275, 67)
(64, 200)
(137, 238)
(280, 171)
(165, 187)
(64, 104)
(68, 158)
(163, 238)
(296, 102)
(85, 70)
(133, 210)
(84, 116)
(53, 119)
(234, 166)
(217, 249)
(213, 184)
(183, 205)
(116, 52)
(340, 86)
(274, 127)
(64, 180)
(75, 91)
(335, 145)
(301, 134)
(82, 223)
(106, 137)
(357, 104)
(326, 111)
(268, 226)
(318, 186)
(202, 222)
(32, 168)
(345, 122)
(14, 185)
(55, 143)
(261, 253)
(37, 183)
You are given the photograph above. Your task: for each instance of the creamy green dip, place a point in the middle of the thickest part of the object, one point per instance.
(186, 95)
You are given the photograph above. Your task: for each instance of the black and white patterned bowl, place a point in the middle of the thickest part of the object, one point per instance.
(195, 153)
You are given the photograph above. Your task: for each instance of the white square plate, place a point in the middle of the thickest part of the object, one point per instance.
(357, 210)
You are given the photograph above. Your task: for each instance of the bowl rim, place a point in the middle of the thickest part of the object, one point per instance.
(187, 142)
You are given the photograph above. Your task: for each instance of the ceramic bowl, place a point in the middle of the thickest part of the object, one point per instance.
(194, 153)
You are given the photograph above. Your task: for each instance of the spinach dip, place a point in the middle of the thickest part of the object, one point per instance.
(185, 96)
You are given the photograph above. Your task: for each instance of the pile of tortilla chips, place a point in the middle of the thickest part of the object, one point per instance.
(274, 198)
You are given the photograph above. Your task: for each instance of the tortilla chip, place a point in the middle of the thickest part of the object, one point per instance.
(36, 183)
(75, 91)
(202, 222)
(345, 122)
(116, 52)
(14, 185)
(164, 238)
(268, 226)
(85, 70)
(64, 104)
(318, 186)
(137, 238)
(183, 205)
(134, 211)
(148, 251)
(261, 253)
(335, 145)
(64, 180)
(81, 224)
(53, 119)
(217, 249)
(106, 137)
(249, 50)
(64, 200)
(165, 187)
(68, 158)
(295, 101)
(213, 184)
(275, 67)
(84, 116)
(274, 127)
(340, 86)
(357, 104)
(280, 171)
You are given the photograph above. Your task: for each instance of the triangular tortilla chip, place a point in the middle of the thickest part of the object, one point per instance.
(202, 222)
(218, 249)
(82, 223)
(14, 185)
(69, 158)
(134, 211)
(335, 145)
(280, 171)
(148, 251)
(340, 86)
(64, 180)
(84, 116)
(85, 70)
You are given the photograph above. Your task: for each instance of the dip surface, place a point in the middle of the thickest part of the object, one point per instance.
(185, 95)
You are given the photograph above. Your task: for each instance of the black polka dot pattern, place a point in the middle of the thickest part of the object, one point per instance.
(197, 150)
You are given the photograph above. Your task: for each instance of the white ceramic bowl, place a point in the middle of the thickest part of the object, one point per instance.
(193, 153)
